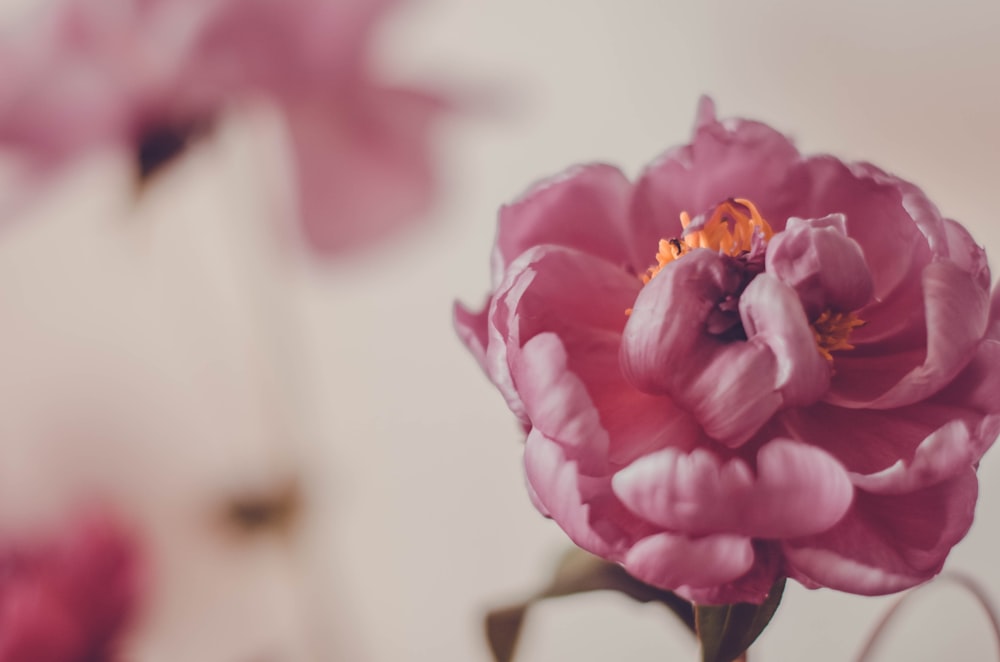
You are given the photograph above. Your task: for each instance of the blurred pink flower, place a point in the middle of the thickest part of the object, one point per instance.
(798, 381)
(69, 599)
(150, 74)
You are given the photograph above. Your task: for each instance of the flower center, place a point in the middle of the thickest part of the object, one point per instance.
(730, 229)
(736, 228)
(832, 330)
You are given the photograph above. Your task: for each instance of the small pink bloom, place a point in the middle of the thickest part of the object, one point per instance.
(748, 364)
(68, 599)
(150, 74)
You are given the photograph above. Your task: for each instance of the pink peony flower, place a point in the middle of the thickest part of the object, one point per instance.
(749, 364)
(150, 74)
(67, 600)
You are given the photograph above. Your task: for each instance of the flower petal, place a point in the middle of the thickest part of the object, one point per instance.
(728, 387)
(584, 507)
(887, 543)
(574, 393)
(957, 312)
(797, 490)
(822, 264)
(362, 170)
(672, 561)
(752, 587)
(943, 454)
(583, 208)
(552, 289)
(876, 214)
(772, 316)
(731, 158)
(472, 330)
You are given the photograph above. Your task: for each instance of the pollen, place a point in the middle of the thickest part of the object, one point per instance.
(730, 230)
(832, 331)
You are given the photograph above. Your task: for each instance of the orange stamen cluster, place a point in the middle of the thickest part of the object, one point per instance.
(729, 230)
(832, 330)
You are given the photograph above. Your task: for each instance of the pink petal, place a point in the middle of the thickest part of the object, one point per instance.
(957, 311)
(977, 387)
(822, 264)
(557, 403)
(877, 214)
(552, 289)
(752, 587)
(472, 330)
(584, 507)
(727, 387)
(945, 453)
(773, 316)
(887, 543)
(797, 490)
(363, 164)
(870, 441)
(574, 393)
(731, 388)
(583, 208)
(732, 158)
(71, 598)
(672, 561)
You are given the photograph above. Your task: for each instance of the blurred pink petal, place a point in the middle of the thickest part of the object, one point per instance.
(760, 364)
(148, 75)
(68, 599)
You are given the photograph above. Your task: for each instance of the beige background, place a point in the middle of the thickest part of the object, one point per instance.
(167, 354)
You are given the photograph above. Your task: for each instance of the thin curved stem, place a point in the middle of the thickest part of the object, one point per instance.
(961, 580)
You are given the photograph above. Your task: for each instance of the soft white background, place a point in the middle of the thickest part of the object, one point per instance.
(165, 354)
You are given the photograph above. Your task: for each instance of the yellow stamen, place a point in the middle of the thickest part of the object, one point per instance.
(730, 230)
(832, 330)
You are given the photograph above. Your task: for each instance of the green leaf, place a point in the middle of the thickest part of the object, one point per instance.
(726, 632)
(577, 572)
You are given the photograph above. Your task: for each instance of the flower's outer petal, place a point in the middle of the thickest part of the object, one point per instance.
(966, 254)
(752, 587)
(909, 448)
(584, 507)
(993, 331)
(557, 403)
(583, 208)
(472, 330)
(567, 289)
(503, 333)
(573, 392)
(672, 561)
(822, 264)
(957, 313)
(557, 289)
(887, 543)
(363, 167)
(977, 387)
(798, 490)
(728, 388)
(552, 289)
(947, 451)
(729, 158)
